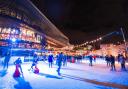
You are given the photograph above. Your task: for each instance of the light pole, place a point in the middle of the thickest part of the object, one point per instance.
(124, 41)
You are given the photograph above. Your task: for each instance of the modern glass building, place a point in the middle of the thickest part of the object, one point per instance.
(23, 26)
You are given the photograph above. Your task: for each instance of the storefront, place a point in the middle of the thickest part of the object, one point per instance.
(22, 37)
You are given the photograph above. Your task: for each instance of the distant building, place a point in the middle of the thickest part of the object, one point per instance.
(110, 49)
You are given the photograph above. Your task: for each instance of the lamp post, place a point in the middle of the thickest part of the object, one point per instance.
(124, 41)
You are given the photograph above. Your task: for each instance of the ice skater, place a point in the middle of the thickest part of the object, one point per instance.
(122, 59)
(50, 60)
(65, 60)
(18, 72)
(90, 60)
(112, 60)
(34, 63)
(6, 60)
(107, 59)
(59, 62)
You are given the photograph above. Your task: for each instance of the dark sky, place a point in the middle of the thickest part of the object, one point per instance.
(84, 20)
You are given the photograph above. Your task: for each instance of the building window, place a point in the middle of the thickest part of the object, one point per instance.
(13, 14)
(18, 16)
(0, 30)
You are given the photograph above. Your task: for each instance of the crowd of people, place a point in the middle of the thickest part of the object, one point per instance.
(61, 59)
(111, 61)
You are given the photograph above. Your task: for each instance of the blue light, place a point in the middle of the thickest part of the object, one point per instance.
(13, 39)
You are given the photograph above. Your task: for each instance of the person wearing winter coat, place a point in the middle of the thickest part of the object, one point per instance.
(17, 72)
(112, 60)
(59, 62)
(50, 60)
(122, 62)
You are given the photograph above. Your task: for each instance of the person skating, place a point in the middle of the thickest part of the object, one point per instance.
(112, 60)
(36, 70)
(122, 62)
(107, 59)
(65, 60)
(18, 72)
(6, 60)
(59, 62)
(34, 63)
(90, 60)
(50, 60)
(94, 58)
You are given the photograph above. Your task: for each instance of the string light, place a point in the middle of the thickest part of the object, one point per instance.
(89, 42)
(96, 40)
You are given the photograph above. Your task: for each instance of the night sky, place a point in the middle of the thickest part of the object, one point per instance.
(85, 20)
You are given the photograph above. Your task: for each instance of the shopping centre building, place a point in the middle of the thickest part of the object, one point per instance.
(23, 26)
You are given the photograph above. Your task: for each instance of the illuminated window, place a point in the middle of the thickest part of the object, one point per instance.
(4, 30)
(18, 16)
(13, 14)
(7, 12)
(13, 31)
(38, 38)
(24, 31)
(28, 33)
(0, 29)
(16, 32)
(3, 11)
(0, 10)
(8, 30)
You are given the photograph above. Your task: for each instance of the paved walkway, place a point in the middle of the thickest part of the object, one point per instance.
(74, 76)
